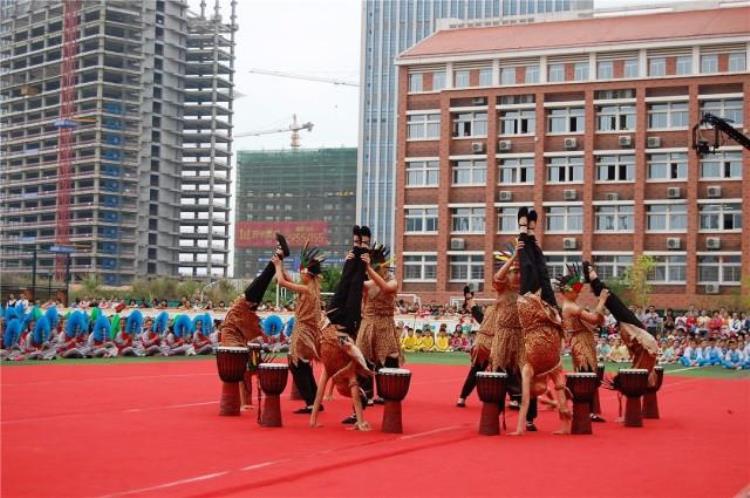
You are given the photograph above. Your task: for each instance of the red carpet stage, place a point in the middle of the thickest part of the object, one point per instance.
(152, 429)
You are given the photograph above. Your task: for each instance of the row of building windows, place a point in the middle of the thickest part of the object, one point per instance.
(610, 168)
(572, 119)
(723, 269)
(568, 219)
(627, 68)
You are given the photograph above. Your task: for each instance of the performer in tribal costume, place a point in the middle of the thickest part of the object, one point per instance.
(541, 323)
(377, 337)
(342, 360)
(307, 318)
(579, 324)
(641, 345)
(241, 323)
(202, 336)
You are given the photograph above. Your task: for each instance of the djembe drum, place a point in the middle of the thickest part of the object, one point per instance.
(491, 391)
(254, 360)
(393, 385)
(650, 402)
(272, 378)
(632, 382)
(583, 386)
(231, 362)
(595, 406)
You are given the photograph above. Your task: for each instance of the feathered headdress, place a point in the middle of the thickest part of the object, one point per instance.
(76, 325)
(101, 329)
(573, 281)
(310, 259)
(505, 254)
(134, 323)
(380, 256)
(160, 323)
(53, 316)
(182, 326)
(12, 333)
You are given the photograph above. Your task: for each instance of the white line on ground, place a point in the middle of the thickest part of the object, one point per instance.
(681, 370)
(168, 484)
(98, 379)
(428, 433)
(261, 465)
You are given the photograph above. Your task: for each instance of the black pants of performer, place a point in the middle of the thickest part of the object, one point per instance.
(615, 306)
(345, 307)
(257, 288)
(304, 379)
(514, 387)
(366, 382)
(471, 379)
(534, 273)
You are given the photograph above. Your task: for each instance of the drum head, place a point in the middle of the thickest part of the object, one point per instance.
(633, 371)
(394, 371)
(254, 346)
(581, 375)
(492, 375)
(231, 349)
(272, 366)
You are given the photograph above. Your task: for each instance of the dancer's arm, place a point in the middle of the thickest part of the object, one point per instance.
(281, 278)
(389, 286)
(502, 273)
(597, 317)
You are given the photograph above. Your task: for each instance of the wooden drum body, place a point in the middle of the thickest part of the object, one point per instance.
(633, 383)
(491, 390)
(272, 378)
(650, 401)
(393, 386)
(595, 405)
(583, 386)
(231, 363)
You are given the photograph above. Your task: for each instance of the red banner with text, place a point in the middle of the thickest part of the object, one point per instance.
(259, 234)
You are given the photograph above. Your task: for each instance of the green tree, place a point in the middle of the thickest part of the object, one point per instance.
(636, 280)
(331, 277)
(90, 285)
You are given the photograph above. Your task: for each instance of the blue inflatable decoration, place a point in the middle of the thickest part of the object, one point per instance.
(101, 329)
(134, 324)
(272, 325)
(160, 323)
(12, 333)
(289, 327)
(182, 327)
(42, 331)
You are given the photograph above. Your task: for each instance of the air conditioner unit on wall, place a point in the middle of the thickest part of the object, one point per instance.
(570, 143)
(505, 196)
(625, 140)
(458, 244)
(479, 101)
(712, 288)
(713, 191)
(713, 243)
(477, 147)
(612, 196)
(674, 193)
(674, 243)
(504, 145)
(570, 243)
(570, 195)
(653, 142)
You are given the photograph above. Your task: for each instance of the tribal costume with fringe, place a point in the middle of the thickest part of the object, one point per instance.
(306, 332)
(342, 359)
(507, 343)
(377, 337)
(582, 343)
(542, 339)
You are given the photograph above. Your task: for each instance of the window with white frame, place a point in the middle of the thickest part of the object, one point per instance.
(485, 76)
(605, 70)
(617, 117)
(556, 72)
(462, 78)
(666, 115)
(630, 68)
(415, 82)
(565, 169)
(720, 217)
(420, 267)
(507, 219)
(609, 266)
(470, 124)
(720, 269)
(516, 171)
(507, 75)
(709, 63)
(566, 120)
(580, 71)
(666, 217)
(423, 126)
(467, 220)
(532, 74)
(615, 168)
(518, 122)
(468, 268)
(666, 167)
(668, 269)
(684, 64)
(657, 66)
(438, 80)
(614, 218)
(557, 264)
(469, 172)
(729, 109)
(564, 219)
(724, 165)
(737, 62)
(421, 220)
(422, 173)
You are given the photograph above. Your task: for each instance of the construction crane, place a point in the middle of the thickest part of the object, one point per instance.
(295, 128)
(65, 125)
(295, 76)
(720, 125)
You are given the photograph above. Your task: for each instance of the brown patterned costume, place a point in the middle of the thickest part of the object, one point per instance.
(582, 343)
(480, 353)
(507, 343)
(377, 337)
(542, 339)
(341, 358)
(240, 325)
(642, 346)
(306, 331)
